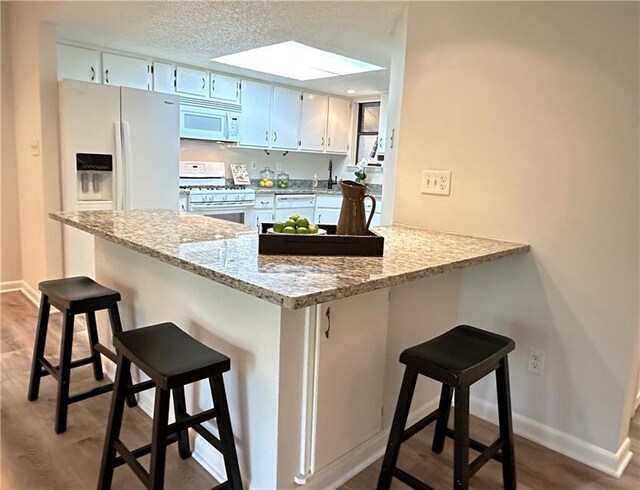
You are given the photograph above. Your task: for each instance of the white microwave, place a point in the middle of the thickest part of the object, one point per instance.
(198, 121)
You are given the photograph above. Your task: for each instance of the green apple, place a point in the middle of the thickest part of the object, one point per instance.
(294, 217)
(290, 222)
(313, 229)
(289, 229)
(278, 226)
(302, 231)
(302, 222)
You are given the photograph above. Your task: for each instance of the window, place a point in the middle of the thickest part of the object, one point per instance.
(368, 122)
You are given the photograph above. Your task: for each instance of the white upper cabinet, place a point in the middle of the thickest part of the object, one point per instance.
(256, 114)
(192, 82)
(163, 78)
(285, 118)
(313, 123)
(78, 64)
(338, 125)
(126, 71)
(225, 88)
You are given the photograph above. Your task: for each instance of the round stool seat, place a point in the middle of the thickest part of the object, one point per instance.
(458, 355)
(78, 294)
(170, 356)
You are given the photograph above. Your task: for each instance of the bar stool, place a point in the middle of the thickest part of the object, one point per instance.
(457, 358)
(73, 296)
(172, 359)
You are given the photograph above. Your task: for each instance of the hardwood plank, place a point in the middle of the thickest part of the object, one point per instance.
(32, 455)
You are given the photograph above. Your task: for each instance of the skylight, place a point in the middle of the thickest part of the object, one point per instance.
(295, 60)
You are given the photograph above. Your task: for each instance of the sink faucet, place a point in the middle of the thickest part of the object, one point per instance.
(331, 182)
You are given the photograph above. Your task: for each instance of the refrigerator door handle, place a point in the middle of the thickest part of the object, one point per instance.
(126, 154)
(119, 170)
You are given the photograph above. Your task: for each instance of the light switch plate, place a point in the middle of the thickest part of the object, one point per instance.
(436, 182)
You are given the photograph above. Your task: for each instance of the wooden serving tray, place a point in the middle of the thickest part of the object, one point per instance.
(371, 245)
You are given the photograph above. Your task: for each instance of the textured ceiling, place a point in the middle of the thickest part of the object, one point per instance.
(193, 32)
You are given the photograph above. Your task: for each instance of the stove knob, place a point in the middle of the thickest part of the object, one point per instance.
(238, 197)
(224, 198)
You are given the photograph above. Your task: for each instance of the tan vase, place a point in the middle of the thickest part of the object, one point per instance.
(353, 220)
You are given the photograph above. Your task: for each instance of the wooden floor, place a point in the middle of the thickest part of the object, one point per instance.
(34, 457)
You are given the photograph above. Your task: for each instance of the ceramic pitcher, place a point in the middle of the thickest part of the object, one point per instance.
(353, 220)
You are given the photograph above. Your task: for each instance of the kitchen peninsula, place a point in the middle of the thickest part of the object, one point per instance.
(306, 335)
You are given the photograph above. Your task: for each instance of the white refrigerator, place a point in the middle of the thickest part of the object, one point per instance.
(120, 149)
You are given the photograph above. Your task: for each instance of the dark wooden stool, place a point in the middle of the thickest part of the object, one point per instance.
(73, 296)
(172, 359)
(457, 358)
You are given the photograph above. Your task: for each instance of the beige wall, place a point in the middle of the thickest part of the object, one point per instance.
(534, 107)
(33, 52)
(11, 265)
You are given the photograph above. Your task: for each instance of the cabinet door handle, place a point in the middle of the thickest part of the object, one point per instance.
(106, 75)
(391, 138)
(213, 84)
(329, 141)
(93, 73)
(328, 315)
(322, 144)
(204, 82)
(275, 136)
(266, 136)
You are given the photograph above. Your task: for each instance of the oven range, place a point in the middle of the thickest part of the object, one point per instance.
(204, 190)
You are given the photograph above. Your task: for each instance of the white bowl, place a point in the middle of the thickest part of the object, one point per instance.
(320, 232)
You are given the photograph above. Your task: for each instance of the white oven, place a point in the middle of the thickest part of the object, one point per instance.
(237, 212)
(198, 120)
(205, 190)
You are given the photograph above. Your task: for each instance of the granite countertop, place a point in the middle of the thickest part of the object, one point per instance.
(303, 186)
(227, 253)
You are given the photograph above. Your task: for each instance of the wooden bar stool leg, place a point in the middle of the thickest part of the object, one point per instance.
(159, 439)
(66, 346)
(115, 422)
(38, 348)
(397, 428)
(92, 331)
(180, 410)
(506, 428)
(116, 326)
(226, 433)
(443, 419)
(461, 443)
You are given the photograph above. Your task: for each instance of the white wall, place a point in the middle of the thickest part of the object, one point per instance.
(534, 107)
(297, 164)
(33, 53)
(11, 264)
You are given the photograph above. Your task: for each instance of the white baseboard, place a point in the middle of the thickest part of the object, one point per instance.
(31, 294)
(606, 461)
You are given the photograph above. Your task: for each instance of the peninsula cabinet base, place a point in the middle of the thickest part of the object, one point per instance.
(306, 387)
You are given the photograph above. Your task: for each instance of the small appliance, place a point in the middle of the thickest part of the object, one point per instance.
(208, 120)
(206, 191)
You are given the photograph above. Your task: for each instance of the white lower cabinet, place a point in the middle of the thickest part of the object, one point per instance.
(351, 352)
(328, 210)
(264, 216)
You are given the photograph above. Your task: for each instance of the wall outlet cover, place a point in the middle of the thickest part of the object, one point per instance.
(437, 182)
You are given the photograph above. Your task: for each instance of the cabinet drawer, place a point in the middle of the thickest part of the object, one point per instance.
(295, 201)
(264, 201)
(328, 201)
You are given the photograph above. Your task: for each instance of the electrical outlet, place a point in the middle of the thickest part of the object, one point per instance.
(254, 165)
(436, 182)
(536, 361)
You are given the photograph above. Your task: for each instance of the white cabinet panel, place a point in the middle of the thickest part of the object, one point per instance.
(382, 129)
(256, 114)
(264, 216)
(224, 87)
(78, 64)
(339, 125)
(192, 82)
(125, 71)
(313, 123)
(285, 118)
(163, 78)
(327, 216)
(349, 390)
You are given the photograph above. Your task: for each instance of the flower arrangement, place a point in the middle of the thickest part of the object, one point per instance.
(361, 173)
